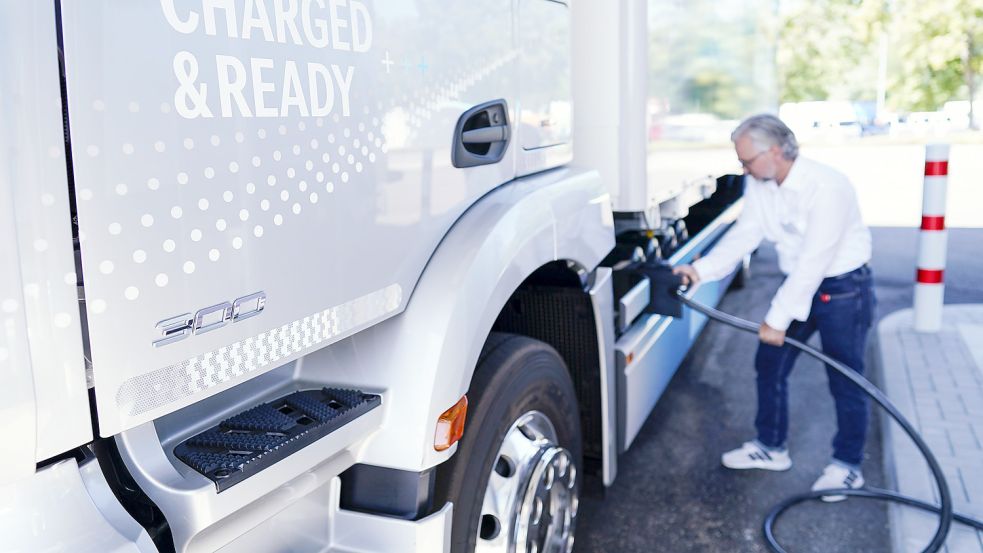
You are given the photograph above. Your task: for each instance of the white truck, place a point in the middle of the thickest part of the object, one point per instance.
(262, 259)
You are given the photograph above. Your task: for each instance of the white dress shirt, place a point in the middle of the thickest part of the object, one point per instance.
(814, 219)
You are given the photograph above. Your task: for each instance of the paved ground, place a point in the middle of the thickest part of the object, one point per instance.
(937, 384)
(672, 494)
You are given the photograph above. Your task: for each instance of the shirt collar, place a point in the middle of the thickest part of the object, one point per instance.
(796, 175)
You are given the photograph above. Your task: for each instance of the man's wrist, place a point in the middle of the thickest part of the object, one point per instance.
(778, 319)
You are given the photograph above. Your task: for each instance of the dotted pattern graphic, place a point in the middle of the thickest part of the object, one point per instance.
(192, 376)
(240, 199)
(169, 209)
(298, 166)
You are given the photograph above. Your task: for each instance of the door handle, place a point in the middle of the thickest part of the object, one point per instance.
(481, 136)
(497, 133)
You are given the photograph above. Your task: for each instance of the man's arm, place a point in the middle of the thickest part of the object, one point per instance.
(771, 336)
(739, 241)
(825, 226)
(689, 274)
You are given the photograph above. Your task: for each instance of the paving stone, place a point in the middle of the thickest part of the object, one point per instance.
(936, 380)
(963, 439)
(963, 418)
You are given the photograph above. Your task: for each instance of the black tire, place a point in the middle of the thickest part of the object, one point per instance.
(514, 375)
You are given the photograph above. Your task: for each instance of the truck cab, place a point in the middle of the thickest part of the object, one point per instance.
(333, 275)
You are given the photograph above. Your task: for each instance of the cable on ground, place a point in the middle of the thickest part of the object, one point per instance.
(944, 509)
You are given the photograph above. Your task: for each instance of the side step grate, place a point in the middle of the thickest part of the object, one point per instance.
(253, 440)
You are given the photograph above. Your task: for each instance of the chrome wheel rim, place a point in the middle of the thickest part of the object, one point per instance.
(530, 503)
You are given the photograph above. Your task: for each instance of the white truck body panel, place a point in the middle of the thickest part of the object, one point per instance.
(296, 156)
(656, 158)
(182, 210)
(608, 127)
(602, 300)
(562, 214)
(41, 356)
(424, 357)
(17, 404)
(545, 103)
(611, 78)
(202, 520)
(649, 353)
(65, 507)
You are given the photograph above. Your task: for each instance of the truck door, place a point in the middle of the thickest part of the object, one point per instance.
(258, 179)
(545, 97)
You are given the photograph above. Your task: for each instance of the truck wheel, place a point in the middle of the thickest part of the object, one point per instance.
(515, 477)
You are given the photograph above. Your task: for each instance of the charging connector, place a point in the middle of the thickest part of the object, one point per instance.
(662, 288)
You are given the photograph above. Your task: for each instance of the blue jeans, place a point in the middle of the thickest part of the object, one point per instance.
(842, 312)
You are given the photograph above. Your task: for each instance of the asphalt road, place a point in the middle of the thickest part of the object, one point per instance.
(672, 494)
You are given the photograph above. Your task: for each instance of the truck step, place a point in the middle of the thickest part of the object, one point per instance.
(255, 439)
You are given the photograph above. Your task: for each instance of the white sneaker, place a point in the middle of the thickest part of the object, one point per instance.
(837, 477)
(752, 456)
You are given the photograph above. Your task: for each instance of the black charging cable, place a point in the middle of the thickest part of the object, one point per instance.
(944, 510)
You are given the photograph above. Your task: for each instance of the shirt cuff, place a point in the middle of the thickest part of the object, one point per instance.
(699, 265)
(778, 318)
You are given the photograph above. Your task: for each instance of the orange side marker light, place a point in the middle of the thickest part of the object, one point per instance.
(450, 425)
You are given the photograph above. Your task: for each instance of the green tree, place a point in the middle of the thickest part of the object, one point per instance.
(827, 50)
(939, 54)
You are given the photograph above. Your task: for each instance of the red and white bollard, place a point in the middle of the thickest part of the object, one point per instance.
(929, 287)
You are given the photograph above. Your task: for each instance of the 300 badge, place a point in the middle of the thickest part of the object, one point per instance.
(209, 318)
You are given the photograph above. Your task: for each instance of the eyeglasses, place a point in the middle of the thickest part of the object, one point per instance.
(747, 162)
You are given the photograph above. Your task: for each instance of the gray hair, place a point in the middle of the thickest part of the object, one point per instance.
(765, 131)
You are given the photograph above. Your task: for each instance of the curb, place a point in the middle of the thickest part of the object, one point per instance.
(895, 386)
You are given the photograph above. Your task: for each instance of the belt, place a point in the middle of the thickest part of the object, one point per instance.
(863, 269)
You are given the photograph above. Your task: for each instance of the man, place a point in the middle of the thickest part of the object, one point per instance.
(810, 212)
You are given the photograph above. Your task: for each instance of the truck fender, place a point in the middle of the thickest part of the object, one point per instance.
(427, 354)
